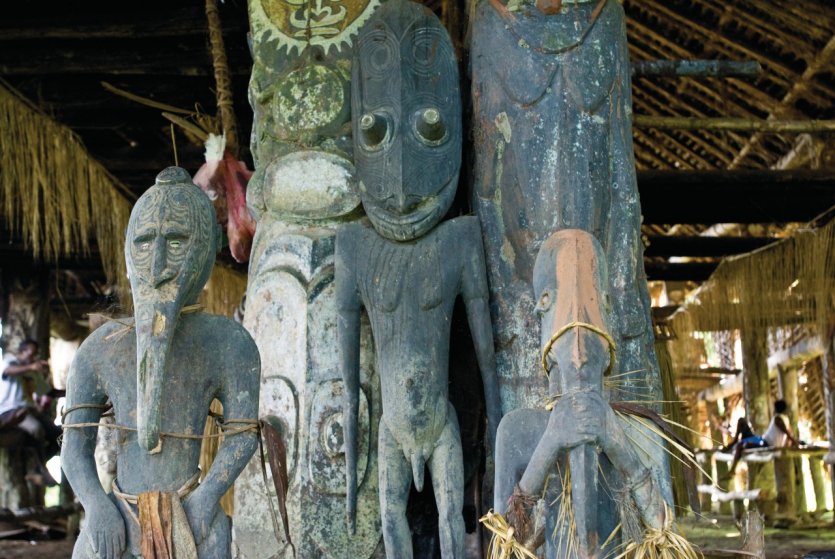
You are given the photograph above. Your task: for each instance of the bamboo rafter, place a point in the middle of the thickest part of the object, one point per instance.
(823, 58)
(772, 126)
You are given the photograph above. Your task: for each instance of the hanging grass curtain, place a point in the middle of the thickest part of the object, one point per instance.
(55, 195)
(224, 290)
(789, 282)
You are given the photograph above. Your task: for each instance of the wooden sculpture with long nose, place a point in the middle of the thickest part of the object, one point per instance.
(577, 422)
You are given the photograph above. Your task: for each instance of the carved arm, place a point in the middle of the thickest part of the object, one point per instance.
(348, 337)
(476, 297)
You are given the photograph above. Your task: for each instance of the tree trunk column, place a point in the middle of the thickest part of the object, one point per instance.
(756, 391)
(828, 365)
(722, 468)
(784, 467)
(701, 411)
(816, 466)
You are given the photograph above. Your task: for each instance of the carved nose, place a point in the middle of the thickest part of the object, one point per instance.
(402, 203)
(160, 272)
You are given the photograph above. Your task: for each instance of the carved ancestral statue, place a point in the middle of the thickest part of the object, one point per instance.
(303, 188)
(553, 132)
(407, 270)
(577, 351)
(160, 374)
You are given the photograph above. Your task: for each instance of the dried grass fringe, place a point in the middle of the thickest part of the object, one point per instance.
(790, 280)
(223, 291)
(640, 542)
(55, 195)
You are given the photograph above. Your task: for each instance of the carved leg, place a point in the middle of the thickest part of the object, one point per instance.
(446, 466)
(218, 544)
(518, 435)
(395, 483)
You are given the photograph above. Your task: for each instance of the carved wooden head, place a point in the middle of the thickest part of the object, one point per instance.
(170, 250)
(570, 287)
(406, 114)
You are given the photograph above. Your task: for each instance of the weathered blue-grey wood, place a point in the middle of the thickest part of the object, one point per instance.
(303, 188)
(697, 68)
(161, 373)
(553, 134)
(580, 432)
(552, 118)
(406, 269)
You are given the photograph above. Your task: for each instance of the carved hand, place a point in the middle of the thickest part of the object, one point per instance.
(106, 530)
(586, 413)
(200, 510)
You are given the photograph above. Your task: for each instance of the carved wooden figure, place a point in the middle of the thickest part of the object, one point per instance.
(161, 373)
(577, 351)
(553, 132)
(406, 269)
(303, 188)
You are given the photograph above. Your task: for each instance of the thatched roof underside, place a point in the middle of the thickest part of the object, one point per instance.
(794, 42)
(58, 53)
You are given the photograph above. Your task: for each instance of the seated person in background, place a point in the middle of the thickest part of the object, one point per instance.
(17, 410)
(745, 438)
(779, 432)
(776, 436)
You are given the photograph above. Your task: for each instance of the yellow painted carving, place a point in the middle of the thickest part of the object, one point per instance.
(159, 323)
(327, 23)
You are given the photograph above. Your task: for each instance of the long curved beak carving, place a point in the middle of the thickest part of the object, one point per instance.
(153, 336)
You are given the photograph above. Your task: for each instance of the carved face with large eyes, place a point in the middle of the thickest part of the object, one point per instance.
(406, 113)
(171, 237)
(170, 246)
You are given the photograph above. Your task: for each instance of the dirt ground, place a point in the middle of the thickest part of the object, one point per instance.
(720, 534)
(15, 549)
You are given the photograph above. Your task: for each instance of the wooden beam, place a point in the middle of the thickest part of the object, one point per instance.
(737, 124)
(120, 24)
(666, 246)
(735, 196)
(179, 56)
(797, 90)
(700, 68)
(679, 271)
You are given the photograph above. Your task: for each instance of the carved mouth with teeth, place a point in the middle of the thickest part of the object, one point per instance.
(418, 221)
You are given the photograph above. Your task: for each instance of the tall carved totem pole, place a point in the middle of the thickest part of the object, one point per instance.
(553, 133)
(304, 186)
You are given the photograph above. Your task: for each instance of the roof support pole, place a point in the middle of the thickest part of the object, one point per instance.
(828, 363)
(722, 468)
(756, 393)
(784, 467)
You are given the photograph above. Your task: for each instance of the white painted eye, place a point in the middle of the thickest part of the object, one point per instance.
(144, 245)
(544, 302)
(429, 127)
(174, 243)
(373, 130)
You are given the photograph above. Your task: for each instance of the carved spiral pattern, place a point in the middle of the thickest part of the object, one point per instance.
(430, 52)
(379, 52)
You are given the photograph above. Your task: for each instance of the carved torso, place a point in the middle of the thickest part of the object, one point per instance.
(409, 289)
(552, 122)
(203, 355)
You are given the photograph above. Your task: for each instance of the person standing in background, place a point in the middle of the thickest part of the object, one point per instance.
(20, 411)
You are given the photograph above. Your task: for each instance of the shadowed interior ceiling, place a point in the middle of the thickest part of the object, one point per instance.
(58, 54)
